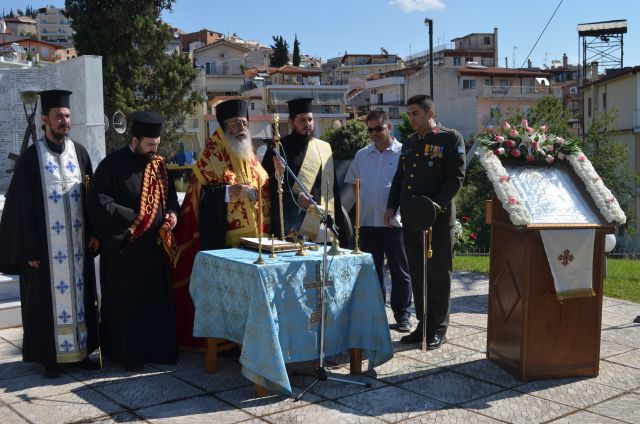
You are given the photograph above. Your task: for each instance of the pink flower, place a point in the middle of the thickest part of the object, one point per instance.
(524, 123)
(530, 130)
(499, 139)
(612, 200)
(513, 132)
(530, 158)
(512, 200)
(506, 126)
(549, 159)
(465, 218)
(582, 158)
(543, 128)
(560, 140)
(511, 143)
(515, 153)
(500, 151)
(549, 148)
(561, 156)
(473, 236)
(535, 145)
(504, 178)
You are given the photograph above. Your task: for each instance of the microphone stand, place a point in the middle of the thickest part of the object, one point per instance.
(321, 373)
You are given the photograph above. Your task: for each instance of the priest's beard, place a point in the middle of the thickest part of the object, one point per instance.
(240, 145)
(303, 136)
(143, 157)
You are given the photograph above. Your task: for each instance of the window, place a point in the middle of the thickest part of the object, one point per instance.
(589, 107)
(456, 61)
(469, 59)
(488, 82)
(604, 101)
(487, 40)
(253, 106)
(468, 84)
(380, 98)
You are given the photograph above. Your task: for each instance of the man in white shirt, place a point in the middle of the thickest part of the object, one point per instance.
(375, 166)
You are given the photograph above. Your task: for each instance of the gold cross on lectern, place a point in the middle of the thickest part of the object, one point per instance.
(317, 284)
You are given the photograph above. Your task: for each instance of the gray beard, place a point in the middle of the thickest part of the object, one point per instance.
(242, 148)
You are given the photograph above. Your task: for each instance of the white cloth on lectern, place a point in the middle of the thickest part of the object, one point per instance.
(570, 257)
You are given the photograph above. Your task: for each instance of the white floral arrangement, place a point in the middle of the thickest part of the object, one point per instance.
(524, 144)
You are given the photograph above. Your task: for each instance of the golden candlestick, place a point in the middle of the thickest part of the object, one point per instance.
(276, 141)
(356, 250)
(259, 261)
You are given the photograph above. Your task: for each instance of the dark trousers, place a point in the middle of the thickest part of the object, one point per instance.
(381, 241)
(439, 272)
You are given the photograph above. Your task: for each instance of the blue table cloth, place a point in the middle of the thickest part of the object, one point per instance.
(268, 309)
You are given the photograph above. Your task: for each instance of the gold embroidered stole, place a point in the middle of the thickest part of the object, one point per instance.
(317, 157)
(155, 186)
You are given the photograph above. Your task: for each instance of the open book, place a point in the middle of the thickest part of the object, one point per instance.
(278, 245)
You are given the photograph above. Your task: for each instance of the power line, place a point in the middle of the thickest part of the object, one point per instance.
(528, 55)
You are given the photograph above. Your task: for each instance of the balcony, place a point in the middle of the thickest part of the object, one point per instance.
(515, 92)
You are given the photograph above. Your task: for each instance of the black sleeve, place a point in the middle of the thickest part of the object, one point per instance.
(110, 220)
(213, 217)
(18, 227)
(455, 170)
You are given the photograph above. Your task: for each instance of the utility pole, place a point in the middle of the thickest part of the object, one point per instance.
(429, 22)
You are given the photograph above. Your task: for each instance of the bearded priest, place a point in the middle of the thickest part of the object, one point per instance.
(220, 206)
(133, 204)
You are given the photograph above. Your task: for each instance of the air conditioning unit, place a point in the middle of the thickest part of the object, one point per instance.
(573, 90)
(374, 91)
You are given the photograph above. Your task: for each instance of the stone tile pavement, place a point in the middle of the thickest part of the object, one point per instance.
(455, 384)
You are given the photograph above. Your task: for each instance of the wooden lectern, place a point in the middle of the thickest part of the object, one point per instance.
(531, 333)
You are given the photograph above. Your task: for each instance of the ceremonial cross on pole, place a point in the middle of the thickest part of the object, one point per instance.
(317, 284)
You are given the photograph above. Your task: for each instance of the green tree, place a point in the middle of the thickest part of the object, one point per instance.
(137, 72)
(19, 12)
(280, 55)
(347, 140)
(611, 161)
(551, 112)
(296, 52)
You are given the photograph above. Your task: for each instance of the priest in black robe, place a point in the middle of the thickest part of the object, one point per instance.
(47, 241)
(133, 206)
(311, 160)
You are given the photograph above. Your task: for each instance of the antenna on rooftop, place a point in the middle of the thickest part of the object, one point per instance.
(513, 57)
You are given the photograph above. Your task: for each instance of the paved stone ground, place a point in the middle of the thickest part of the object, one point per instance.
(455, 384)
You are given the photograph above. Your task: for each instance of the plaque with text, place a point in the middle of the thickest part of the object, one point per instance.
(552, 196)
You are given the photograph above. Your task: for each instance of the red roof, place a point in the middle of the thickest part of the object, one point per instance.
(502, 72)
(288, 69)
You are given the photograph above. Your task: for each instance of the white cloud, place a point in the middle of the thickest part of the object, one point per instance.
(409, 6)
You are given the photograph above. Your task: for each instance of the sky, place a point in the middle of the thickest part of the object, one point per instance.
(328, 28)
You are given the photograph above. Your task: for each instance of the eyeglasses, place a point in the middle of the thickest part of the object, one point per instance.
(379, 128)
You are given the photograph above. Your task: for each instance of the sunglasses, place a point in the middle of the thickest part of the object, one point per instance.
(379, 128)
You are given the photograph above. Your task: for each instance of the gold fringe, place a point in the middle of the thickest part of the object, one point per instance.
(570, 294)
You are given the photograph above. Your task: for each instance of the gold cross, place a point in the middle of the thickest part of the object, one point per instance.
(317, 284)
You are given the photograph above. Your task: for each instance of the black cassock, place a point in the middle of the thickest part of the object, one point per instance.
(138, 311)
(23, 232)
(295, 149)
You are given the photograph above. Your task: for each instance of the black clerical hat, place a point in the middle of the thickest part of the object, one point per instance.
(418, 213)
(299, 105)
(231, 109)
(54, 98)
(146, 124)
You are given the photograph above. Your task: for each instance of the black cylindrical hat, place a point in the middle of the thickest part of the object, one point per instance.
(231, 109)
(146, 124)
(54, 98)
(299, 105)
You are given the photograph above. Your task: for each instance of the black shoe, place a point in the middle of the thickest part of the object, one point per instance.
(51, 371)
(637, 320)
(434, 341)
(413, 338)
(87, 365)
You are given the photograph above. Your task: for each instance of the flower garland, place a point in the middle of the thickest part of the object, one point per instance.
(538, 147)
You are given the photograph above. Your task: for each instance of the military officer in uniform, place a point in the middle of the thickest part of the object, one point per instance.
(432, 164)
